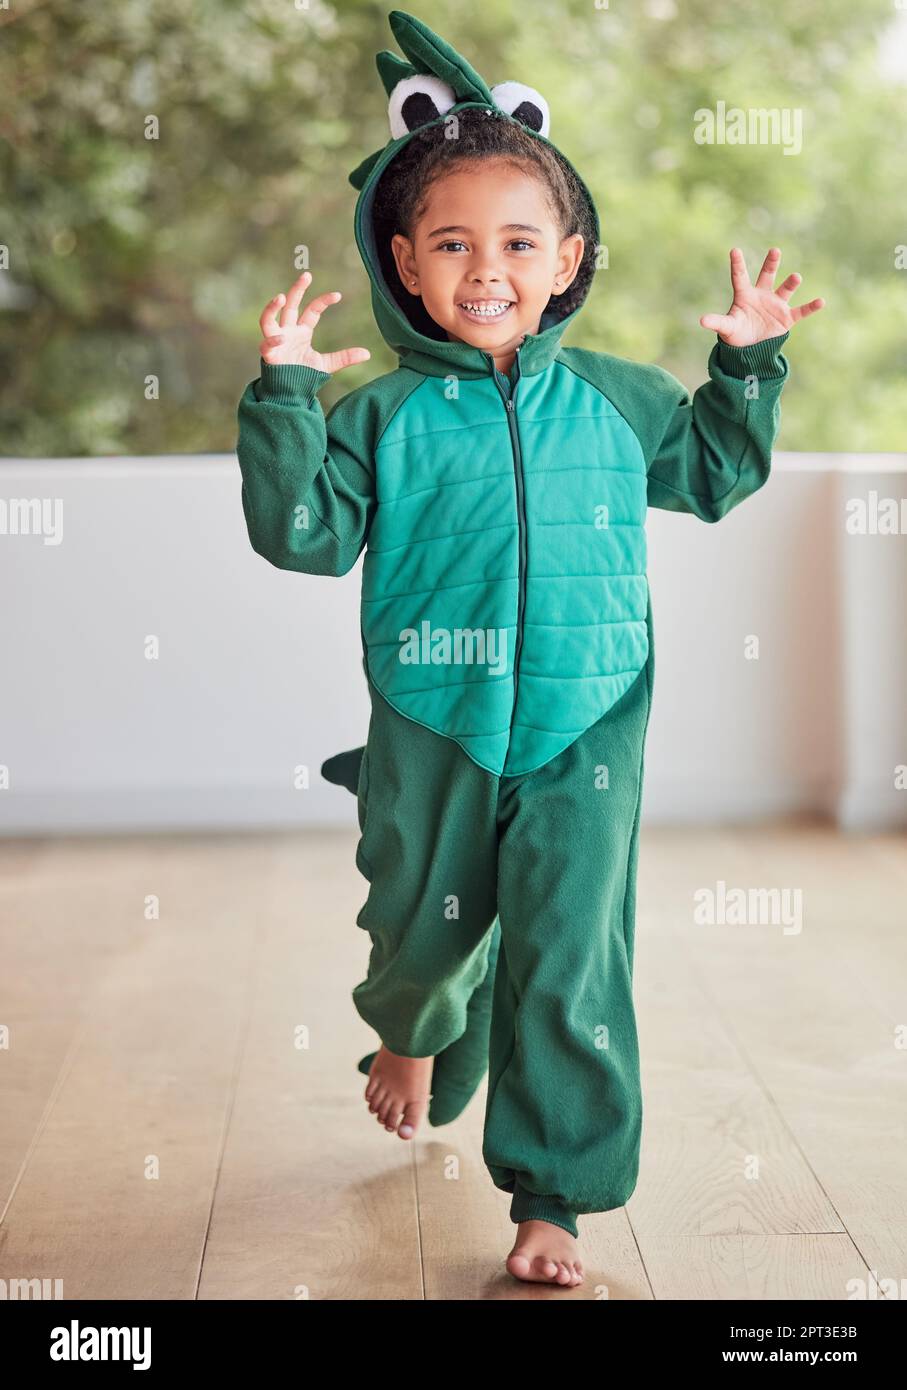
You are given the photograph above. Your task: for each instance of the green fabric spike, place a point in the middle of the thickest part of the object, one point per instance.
(360, 174)
(459, 1069)
(429, 52)
(392, 69)
(343, 769)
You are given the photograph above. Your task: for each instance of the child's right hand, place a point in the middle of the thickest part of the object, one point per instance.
(289, 341)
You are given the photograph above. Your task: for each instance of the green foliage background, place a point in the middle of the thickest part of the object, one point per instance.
(130, 257)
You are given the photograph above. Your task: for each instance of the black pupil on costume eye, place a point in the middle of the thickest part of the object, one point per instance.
(417, 109)
(529, 114)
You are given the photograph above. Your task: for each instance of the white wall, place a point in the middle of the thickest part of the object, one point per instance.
(260, 669)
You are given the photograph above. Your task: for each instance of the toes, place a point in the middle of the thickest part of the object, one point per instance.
(544, 1269)
(541, 1269)
(388, 1110)
(412, 1114)
(519, 1265)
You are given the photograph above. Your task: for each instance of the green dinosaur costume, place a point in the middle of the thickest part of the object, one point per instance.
(508, 647)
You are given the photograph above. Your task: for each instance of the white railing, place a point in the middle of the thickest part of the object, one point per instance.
(259, 671)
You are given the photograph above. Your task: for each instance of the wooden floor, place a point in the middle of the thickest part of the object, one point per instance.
(164, 1135)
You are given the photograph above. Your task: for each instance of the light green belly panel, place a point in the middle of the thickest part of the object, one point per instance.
(447, 601)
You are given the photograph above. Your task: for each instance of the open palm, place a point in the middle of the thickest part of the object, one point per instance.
(289, 340)
(758, 311)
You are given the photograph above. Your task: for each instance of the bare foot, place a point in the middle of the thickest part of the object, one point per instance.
(398, 1091)
(545, 1254)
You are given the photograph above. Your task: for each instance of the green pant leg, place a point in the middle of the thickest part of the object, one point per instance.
(563, 1116)
(458, 1068)
(429, 851)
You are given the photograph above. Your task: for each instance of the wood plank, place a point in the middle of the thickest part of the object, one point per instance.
(706, 1116)
(163, 1022)
(807, 1013)
(52, 944)
(315, 1200)
(753, 1267)
(467, 1232)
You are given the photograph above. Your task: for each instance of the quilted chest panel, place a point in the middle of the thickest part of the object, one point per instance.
(504, 592)
(585, 638)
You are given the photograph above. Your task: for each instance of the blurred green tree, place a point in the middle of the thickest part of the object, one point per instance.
(133, 258)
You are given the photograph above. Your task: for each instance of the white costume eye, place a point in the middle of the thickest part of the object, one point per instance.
(417, 100)
(524, 104)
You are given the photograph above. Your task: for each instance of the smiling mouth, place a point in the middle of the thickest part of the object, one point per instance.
(485, 311)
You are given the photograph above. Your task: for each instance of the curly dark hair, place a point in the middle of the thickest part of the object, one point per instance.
(401, 193)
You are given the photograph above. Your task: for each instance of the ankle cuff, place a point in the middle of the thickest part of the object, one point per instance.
(530, 1206)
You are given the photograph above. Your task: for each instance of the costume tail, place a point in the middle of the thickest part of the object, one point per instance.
(343, 769)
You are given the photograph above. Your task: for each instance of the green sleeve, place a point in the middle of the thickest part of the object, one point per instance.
(704, 454)
(308, 480)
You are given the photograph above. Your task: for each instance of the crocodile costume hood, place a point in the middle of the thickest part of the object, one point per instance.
(430, 87)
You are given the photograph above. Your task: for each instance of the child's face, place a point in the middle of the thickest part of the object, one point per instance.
(487, 234)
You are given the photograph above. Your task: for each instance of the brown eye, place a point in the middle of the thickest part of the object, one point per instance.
(417, 100)
(525, 104)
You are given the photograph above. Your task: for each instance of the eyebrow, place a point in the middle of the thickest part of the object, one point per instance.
(508, 227)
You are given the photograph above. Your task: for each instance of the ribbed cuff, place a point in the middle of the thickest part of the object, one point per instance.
(762, 360)
(291, 383)
(530, 1206)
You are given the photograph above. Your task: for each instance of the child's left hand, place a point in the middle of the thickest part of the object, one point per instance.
(758, 311)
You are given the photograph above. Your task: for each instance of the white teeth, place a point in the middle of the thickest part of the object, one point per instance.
(489, 309)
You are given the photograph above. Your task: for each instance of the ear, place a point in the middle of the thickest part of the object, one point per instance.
(417, 100)
(402, 252)
(525, 104)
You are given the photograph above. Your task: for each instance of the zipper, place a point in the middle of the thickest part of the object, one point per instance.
(510, 407)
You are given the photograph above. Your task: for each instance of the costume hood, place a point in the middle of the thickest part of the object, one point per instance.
(435, 83)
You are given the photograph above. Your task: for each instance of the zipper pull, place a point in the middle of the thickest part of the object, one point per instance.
(510, 405)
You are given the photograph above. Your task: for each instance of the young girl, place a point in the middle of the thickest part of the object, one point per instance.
(500, 483)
